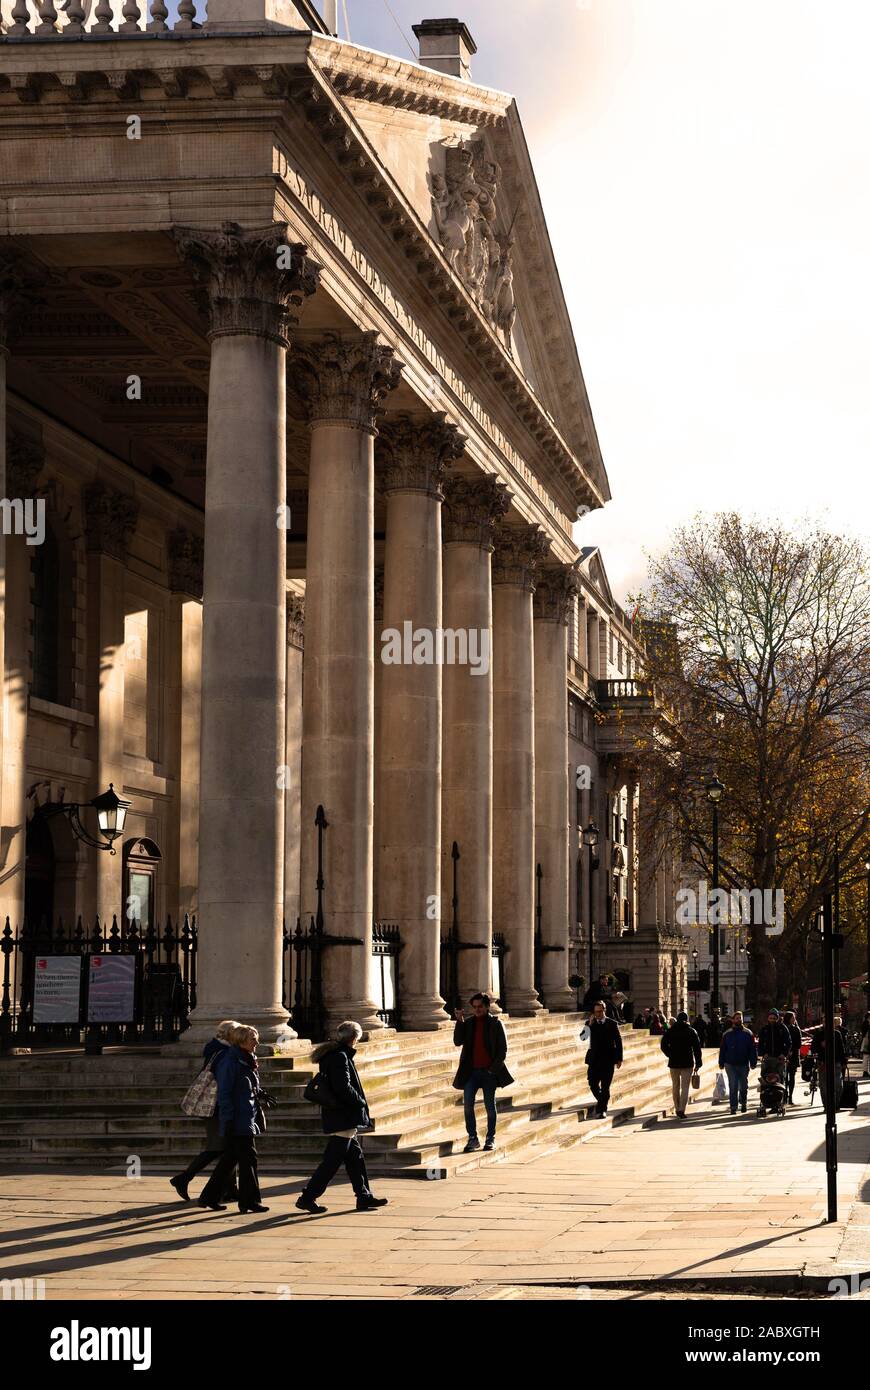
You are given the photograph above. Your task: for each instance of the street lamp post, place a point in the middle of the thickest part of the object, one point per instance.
(715, 792)
(695, 976)
(590, 839)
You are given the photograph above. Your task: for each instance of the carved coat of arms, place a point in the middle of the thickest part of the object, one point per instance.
(464, 202)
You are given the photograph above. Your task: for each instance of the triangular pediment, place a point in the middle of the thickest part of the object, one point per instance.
(593, 567)
(458, 154)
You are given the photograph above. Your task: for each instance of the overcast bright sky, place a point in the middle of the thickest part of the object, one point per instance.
(704, 170)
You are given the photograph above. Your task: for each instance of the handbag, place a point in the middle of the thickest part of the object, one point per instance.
(201, 1096)
(319, 1092)
(696, 1081)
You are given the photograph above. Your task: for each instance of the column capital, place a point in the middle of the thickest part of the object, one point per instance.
(110, 519)
(414, 452)
(296, 621)
(344, 379)
(555, 590)
(185, 558)
(519, 550)
(256, 281)
(472, 507)
(25, 460)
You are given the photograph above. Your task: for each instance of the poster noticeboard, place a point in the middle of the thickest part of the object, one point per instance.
(57, 989)
(111, 989)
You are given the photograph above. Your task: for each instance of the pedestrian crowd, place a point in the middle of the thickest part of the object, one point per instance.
(233, 1103)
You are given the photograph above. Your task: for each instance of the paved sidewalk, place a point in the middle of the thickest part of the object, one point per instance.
(709, 1198)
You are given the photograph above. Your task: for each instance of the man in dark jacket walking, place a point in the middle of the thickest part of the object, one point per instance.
(682, 1047)
(346, 1113)
(774, 1039)
(604, 1056)
(481, 1066)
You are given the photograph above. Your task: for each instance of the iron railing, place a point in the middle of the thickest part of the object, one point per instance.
(153, 1000)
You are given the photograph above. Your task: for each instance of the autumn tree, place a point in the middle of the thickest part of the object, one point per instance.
(758, 647)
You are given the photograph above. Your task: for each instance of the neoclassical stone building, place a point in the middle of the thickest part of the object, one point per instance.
(286, 358)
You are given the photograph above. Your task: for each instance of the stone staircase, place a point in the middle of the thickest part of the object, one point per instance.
(96, 1112)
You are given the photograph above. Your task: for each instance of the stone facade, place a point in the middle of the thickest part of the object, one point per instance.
(256, 368)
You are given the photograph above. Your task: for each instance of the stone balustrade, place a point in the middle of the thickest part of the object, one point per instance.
(75, 18)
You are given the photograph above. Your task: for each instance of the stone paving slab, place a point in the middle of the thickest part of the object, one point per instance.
(709, 1198)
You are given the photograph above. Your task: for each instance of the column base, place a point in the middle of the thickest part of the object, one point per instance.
(562, 1000)
(273, 1026)
(361, 1011)
(523, 1003)
(424, 1013)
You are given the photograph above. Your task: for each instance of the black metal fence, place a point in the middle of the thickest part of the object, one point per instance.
(46, 1001)
(302, 979)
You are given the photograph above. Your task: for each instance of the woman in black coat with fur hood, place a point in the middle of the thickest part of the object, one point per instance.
(346, 1113)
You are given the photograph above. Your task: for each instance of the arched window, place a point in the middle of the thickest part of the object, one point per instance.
(141, 864)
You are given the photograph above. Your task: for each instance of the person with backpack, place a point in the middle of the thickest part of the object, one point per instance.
(344, 1114)
(214, 1144)
(238, 1103)
(682, 1047)
(737, 1055)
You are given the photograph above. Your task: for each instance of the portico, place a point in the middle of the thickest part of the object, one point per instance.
(265, 338)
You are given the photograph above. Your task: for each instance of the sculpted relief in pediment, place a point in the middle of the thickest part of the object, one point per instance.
(464, 200)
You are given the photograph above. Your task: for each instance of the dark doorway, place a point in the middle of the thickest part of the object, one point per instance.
(39, 873)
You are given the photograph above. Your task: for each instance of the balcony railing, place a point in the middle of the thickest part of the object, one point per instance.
(613, 691)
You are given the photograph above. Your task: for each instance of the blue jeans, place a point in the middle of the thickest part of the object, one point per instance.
(480, 1080)
(738, 1080)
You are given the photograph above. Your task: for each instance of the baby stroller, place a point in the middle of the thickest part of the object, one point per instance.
(772, 1089)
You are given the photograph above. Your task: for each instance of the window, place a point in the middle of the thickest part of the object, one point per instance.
(141, 863)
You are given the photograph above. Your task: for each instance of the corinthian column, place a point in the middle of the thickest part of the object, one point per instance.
(255, 283)
(472, 506)
(409, 854)
(518, 552)
(344, 381)
(554, 596)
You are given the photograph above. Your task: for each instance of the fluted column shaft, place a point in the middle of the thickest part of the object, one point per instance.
(472, 506)
(255, 282)
(412, 455)
(518, 552)
(343, 380)
(554, 596)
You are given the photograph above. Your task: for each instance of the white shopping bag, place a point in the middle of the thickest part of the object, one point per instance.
(719, 1092)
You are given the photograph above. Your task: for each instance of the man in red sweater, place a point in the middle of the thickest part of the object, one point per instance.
(481, 1066)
